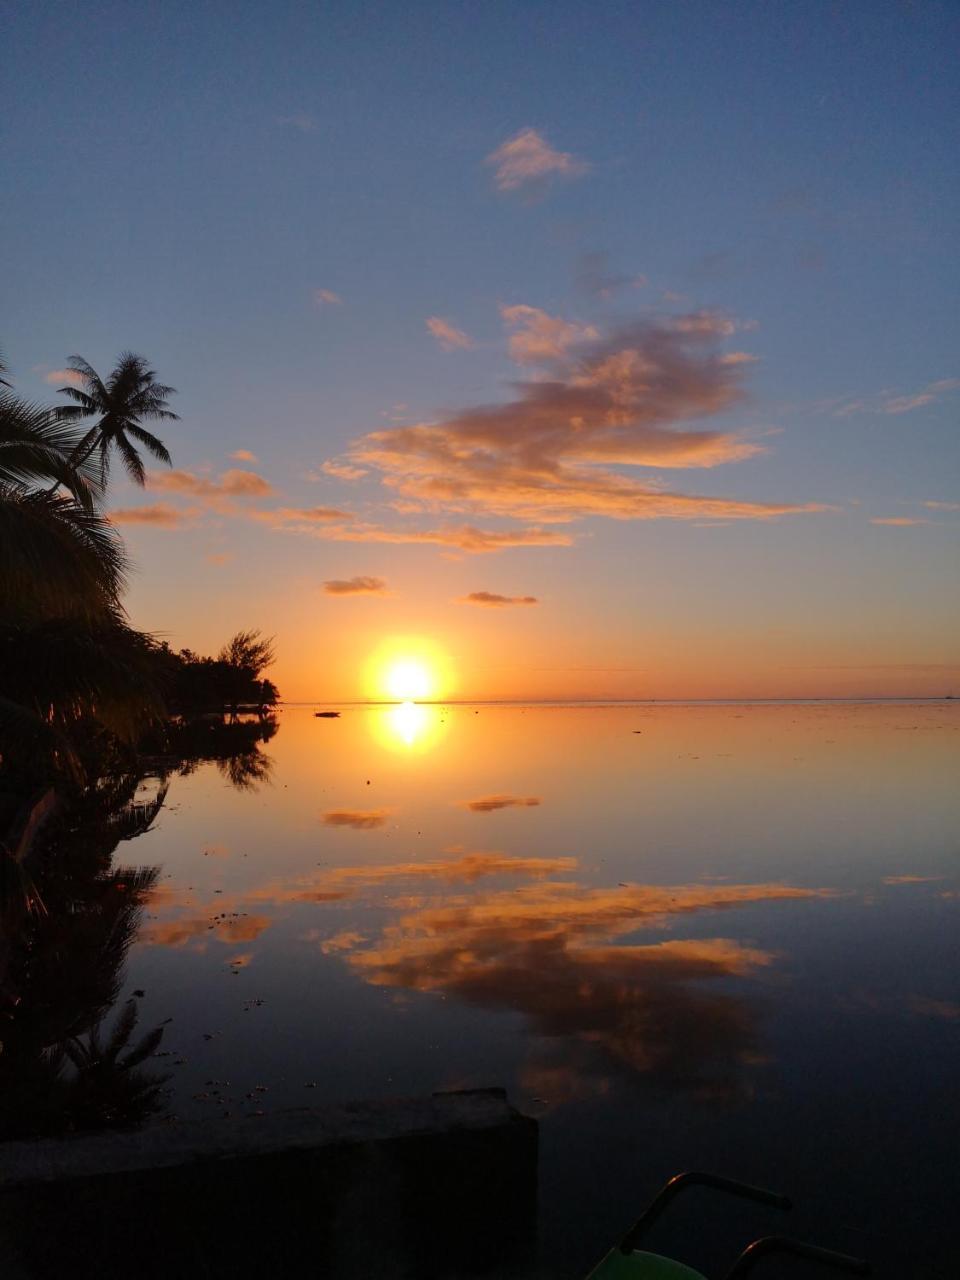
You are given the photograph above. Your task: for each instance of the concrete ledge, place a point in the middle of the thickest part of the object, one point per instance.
(426, 1187)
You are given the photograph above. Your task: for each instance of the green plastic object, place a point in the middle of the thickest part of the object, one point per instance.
(637, 1265)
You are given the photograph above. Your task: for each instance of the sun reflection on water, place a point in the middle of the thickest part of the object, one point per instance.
(410, 726)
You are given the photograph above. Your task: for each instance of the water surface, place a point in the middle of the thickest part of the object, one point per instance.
(679, 935)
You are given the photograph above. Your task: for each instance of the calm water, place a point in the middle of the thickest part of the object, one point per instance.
(682, 935)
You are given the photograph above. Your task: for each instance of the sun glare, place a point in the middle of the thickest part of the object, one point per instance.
(407, 669)
(408, 681)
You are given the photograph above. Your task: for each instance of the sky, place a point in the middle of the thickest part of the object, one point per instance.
(576, 350)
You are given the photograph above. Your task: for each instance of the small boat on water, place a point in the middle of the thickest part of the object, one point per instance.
(626, 1262)
(327, 715)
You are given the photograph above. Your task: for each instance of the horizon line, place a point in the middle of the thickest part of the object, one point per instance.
(606, 702)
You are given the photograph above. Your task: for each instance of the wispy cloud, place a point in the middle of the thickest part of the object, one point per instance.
(244, 455)
(326, 297)
(358, 819)
(342, 470)
(359, 586)
(489, 804)
(942, 506)
(448, 335)
(278, 516)
(889, 402)
(465, 538)
(493, 600)
(899, 522)
(593, 276)
(301, 120)
(547, 454)
(527, 160)
(159, 513)
(64, 377)
(538, 337)
(230, 484)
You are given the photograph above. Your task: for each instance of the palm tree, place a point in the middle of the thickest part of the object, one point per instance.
(130, 394)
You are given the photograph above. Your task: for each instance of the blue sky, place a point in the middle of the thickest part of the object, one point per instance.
(183, 179)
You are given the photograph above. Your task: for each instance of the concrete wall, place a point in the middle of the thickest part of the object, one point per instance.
(419, 1188)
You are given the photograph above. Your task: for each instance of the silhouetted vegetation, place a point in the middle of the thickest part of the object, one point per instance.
(95, 716)
(78, 684)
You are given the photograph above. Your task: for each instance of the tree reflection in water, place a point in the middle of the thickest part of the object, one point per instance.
(67, 920)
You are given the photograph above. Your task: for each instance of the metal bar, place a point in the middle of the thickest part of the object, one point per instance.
(761, 1249)
(690, 1179)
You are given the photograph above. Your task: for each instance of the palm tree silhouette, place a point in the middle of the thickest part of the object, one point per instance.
(130, 394)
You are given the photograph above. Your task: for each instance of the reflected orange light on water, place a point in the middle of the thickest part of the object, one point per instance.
(409, 726)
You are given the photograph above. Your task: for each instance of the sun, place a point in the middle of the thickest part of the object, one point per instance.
(408, 680)
(408, 669)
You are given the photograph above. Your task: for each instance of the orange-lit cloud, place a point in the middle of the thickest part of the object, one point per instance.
(461, 537)
(64, 377)
(639, 1010)
(359, 819)
(942, 506)
(528, 160)
(546, 454)
(935, 1008)
(244, 455)
(326, 297)
(342, 470)
(158, 513)
(297, 515)
(538, 337)
(219, 557)
(176, 933)
(231, 484)
(448, 335)
(899, 522)
(487, 804)
(493, 600)
(359, 586)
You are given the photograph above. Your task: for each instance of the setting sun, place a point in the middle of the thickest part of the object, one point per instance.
(408, 669)
(408, 680)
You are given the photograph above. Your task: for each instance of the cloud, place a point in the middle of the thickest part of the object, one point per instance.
(223, 928)
(928, 1008)
(358, 819)
(468, 868)
(326, 297)
(301, 120)
(547, 455)
(942, 506)
(887, 402)
(219, 557)
(643, 1011)
(487, 804)
(278, 516)
(243, 455)
(159, 513)
(900, 522)
(359, 586)
(539, 337)
(490, 598)
(64, 377)
(342, 470)
(231, 484)
(459, 537)
(593, 276)
(447, 334)
(910, 879)
(528, 160)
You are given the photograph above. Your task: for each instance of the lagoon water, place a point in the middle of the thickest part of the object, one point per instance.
(720, 936)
